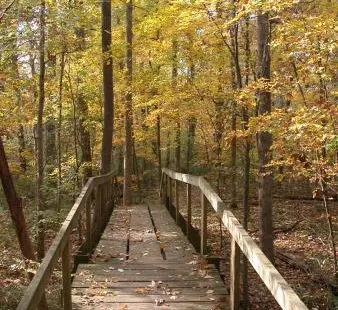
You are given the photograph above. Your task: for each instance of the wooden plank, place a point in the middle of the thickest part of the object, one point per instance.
(188, 211)
(140, 298)
(204, 233)
(134, 265)
(177, 201)
(128, 273)
(133, 277)
(175, 245)
(143, 244)
(151, 306)
(114, 239)
(234, 276)
(89, 225)
(186, 178)
(203, 283)
(148, 289)
(66, 278)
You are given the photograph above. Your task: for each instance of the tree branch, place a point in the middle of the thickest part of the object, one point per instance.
(5, 10)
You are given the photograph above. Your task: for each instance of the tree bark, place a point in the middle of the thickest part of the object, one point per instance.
(191, 141)
(82, 106)
(128, 151)
(174, 73)
(18, 218)
(59, 148)
(246, 173)
(39, 137)
(264, 138)
(108, 97)
(158, 146)
(15, 207)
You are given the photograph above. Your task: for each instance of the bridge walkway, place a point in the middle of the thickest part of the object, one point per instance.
(144, 261)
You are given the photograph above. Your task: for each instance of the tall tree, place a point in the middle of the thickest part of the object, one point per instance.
(264, 140)
(108, 97)
(174, 73)
(82, 106)
(17, 215)
(128, 147)
(39, 136)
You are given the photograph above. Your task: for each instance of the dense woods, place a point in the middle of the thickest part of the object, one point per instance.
(241, 92)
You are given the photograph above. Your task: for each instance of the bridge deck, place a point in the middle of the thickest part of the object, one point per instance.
(144, 261)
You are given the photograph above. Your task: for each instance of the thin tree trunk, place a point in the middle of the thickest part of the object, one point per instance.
(128, 152)
(246, 173)
(39, 140)
(15, 207)
(167, 164)
(191, 141)
(106, 156)
(59, 147)
(174, 73)
(264, 138)
(17, 215)
(84, 135)
(178, 147)
(237, 84)
(158, 146)
(192, 120)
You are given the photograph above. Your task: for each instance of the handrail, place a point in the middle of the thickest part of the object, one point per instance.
(279, 288)
(60, 246)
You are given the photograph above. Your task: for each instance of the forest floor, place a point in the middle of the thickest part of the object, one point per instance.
(307, 243)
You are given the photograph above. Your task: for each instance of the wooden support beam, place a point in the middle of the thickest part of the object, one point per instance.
(170, 194)
(66, 278)
(203, 224)
(89, 240)
(189, 210)
(234, 275)
(177, 202)
(165, 189)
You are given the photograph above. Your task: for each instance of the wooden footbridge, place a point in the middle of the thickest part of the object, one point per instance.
(141, 257)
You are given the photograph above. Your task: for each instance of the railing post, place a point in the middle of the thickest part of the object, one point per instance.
(234, 275)
(170, 194)
(66, 280)
(165, 189)
(89, 225)
(203, 224)
(98, 206)
(189, 210)
(104, 203)
(177, 202)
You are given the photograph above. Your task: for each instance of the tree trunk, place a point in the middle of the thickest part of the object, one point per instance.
(82, 106)
(158, 146)
(108, 98)
(128, 152)
(191, 141)
(39, 138)
(59, 148)
(246, 173)
(15, 207)
(168, 157)
(174, 73)
(264, 138)
(18, 218)
(86, 156)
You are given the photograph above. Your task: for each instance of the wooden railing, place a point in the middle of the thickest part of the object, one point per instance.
(96, 200)
(241, 241)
